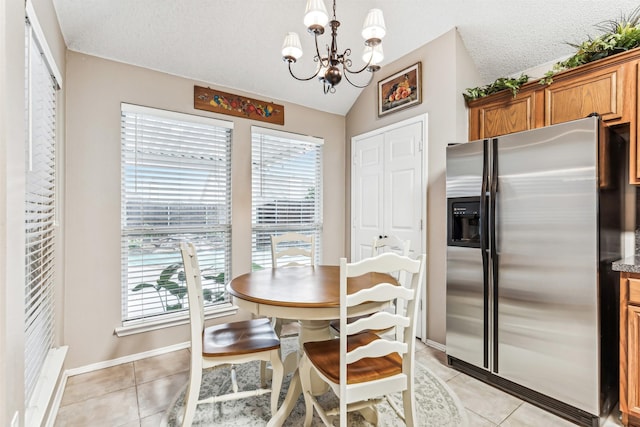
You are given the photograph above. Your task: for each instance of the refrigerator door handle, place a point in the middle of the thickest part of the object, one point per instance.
(484, 248)
(493, 231)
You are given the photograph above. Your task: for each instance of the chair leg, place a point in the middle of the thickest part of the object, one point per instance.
(409, 407)
(276, 380)
(370, 414)
(191, 397)
(304, 370)
(263, 374)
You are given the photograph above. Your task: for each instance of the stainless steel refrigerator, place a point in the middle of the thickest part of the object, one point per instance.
(534, 222)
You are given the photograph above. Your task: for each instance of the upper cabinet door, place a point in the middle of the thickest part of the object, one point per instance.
(605, 91)
(502, 115)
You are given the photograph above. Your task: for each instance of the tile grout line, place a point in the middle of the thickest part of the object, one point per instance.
(135, 384)
(511, 413)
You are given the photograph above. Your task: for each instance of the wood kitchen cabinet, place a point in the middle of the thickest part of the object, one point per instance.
(608, 87)
(630, 348)
(504, 114)
(602, 90)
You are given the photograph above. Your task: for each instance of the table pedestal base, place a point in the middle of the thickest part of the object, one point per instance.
(310, 330)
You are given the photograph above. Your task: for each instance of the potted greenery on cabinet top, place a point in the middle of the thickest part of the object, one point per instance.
(503, 83)
(620, 35)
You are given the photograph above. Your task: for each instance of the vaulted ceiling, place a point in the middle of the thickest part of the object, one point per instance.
(236, 43)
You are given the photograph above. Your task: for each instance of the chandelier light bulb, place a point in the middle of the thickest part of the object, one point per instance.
(291, 48)
(316, 16)
(376, 51)
(374, 28)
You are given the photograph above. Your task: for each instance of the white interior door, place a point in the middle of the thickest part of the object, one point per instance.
(402, 203)
(367, 195)
(388, 190)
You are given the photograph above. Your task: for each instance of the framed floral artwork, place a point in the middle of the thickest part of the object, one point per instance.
(400, 90)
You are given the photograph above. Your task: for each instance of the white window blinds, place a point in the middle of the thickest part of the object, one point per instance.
(40, 212)
(176, 186)
(286, 189)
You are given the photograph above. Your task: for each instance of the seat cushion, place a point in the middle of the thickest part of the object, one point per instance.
(249, 336)
(325, 355)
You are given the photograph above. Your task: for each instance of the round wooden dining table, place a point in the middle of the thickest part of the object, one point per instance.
(310, 294)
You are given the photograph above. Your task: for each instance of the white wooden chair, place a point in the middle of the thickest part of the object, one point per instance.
(226, 344)
(291, 249)
(360, 367)
(381, 244)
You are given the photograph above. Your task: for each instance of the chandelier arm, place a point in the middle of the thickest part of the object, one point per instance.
(318, 56)
(303, 79)
(346, 77)
(347, 70)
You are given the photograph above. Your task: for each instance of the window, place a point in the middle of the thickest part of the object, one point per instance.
(40, 203)
(176, 186)
(286, 182)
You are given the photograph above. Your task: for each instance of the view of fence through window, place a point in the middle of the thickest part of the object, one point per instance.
(176, 186)
(286, 190)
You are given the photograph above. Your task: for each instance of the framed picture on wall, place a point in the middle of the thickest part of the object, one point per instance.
(401, 90)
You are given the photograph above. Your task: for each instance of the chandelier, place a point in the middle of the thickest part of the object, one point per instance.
(332, 65)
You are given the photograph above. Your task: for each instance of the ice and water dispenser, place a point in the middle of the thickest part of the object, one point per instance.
(463, 222)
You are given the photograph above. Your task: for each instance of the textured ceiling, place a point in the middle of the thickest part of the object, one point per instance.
(236, 43)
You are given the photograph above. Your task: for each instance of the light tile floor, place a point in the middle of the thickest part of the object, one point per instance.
(136, 394)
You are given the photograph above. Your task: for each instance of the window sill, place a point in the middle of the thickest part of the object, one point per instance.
(170, 320)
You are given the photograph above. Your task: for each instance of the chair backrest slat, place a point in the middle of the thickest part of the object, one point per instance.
(376, 348)
(381, 292)
(377, 322)
(297, 249)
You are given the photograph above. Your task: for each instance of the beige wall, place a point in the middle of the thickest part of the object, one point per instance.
(95, 89)
(447, 70)
(12, 189)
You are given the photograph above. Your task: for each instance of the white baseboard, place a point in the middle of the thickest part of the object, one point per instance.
(127, 359)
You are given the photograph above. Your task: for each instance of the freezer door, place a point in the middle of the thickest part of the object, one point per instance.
(466, 302)
(547, 245)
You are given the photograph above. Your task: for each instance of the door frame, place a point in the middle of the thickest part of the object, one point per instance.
(422, 119)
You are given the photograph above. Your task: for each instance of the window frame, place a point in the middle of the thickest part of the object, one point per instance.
(43, 361)
(167, 148)
(262, 258)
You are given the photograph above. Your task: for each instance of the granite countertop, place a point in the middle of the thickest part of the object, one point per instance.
(629, 265)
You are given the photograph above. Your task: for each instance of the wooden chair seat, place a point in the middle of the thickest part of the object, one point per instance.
(242, 337)
(325, 355)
